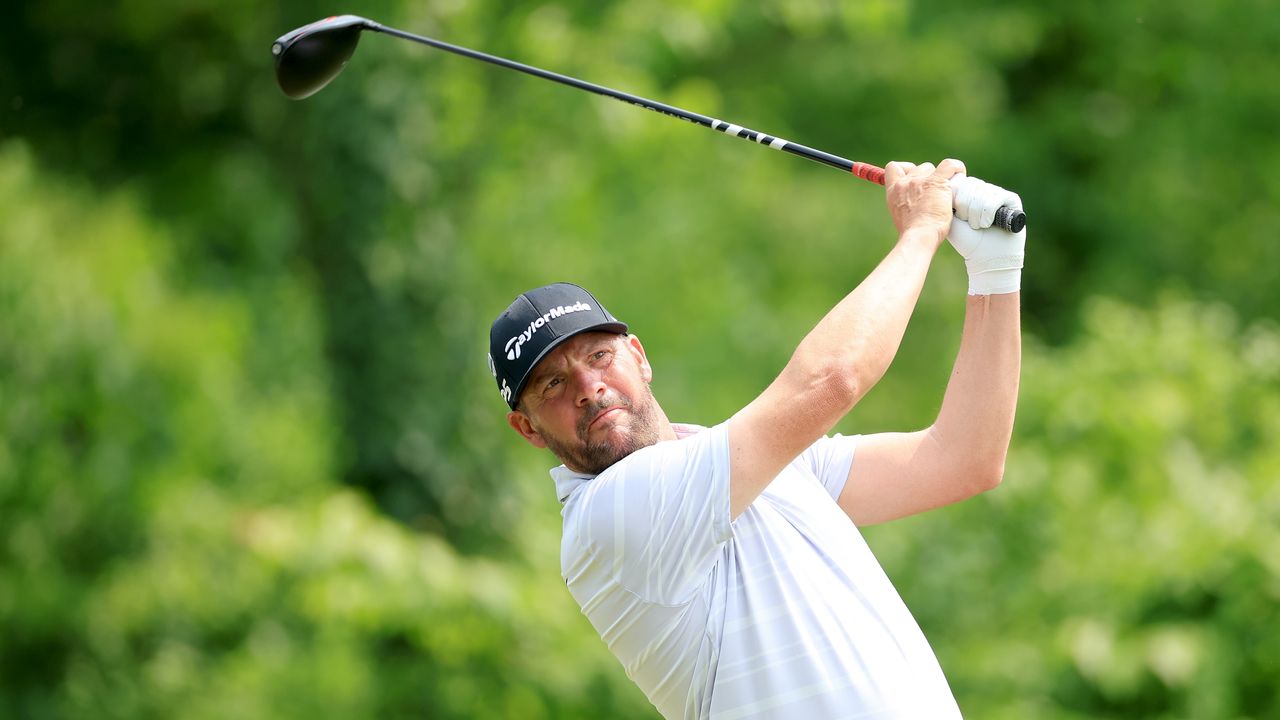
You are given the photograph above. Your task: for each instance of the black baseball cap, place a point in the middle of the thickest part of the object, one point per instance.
(534, 324)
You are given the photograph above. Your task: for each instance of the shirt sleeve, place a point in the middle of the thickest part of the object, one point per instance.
(829, 459)
(659, 518)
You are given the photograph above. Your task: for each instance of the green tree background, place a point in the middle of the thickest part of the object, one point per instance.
(252, 463)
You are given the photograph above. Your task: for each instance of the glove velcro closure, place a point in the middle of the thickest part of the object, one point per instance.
(1003, 262)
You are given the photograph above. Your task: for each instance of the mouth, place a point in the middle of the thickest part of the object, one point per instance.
(608, 414)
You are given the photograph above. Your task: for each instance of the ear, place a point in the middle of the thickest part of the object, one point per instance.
(523, 425)
(642, 360)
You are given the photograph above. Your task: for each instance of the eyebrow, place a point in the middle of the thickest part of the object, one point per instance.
(540, 375)
(537, 378)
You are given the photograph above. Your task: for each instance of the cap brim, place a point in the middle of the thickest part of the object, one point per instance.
(615, 327)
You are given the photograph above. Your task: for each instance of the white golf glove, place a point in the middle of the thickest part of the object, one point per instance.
(992, 255)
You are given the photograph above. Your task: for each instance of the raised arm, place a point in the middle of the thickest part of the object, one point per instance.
(963, 452)
(852, 346)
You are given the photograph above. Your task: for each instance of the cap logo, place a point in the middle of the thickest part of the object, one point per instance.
(513, 345)
(492, 368)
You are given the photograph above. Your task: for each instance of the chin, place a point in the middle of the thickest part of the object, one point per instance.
(595, 458)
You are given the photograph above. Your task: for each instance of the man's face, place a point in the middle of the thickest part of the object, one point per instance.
(588, 401)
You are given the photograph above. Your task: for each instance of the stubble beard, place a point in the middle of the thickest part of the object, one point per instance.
(595, 456)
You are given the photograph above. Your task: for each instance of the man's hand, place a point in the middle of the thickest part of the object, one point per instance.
(993, 256)
(920, 198)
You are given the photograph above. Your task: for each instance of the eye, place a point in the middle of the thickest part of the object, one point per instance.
(552, 384)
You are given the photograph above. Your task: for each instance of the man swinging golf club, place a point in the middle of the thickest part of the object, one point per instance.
(723, 566)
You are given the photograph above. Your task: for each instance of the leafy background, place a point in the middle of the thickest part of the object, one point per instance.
(252, 464)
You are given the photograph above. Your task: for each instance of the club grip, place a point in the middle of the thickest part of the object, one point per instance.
(1007, 218)
(1011, 219)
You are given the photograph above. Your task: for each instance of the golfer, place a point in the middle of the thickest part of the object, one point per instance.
(723, 566)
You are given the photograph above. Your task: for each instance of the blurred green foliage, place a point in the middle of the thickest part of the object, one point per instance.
(252, 463)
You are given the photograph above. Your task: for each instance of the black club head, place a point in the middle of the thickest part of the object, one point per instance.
(309, 57)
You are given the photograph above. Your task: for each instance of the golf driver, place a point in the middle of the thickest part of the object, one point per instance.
(310, 57)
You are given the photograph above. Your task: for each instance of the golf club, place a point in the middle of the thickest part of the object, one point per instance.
(310, 57)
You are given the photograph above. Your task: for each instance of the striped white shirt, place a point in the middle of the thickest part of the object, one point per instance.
(782, 613)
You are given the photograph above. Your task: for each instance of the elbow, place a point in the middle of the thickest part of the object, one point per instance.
(840, 387)
(837, 377)
(827, 389)
(985, 473)
(848, 378)
(989, 476)
(976, 461)
(974, 473)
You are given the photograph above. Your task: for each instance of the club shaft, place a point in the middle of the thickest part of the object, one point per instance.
(863, 170)
(1008, 218)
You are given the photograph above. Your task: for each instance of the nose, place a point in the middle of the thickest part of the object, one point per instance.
(589, 386)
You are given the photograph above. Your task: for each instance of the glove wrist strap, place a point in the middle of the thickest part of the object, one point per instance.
(995, 282)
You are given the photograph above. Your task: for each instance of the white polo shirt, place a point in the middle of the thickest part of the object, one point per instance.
(783, 613)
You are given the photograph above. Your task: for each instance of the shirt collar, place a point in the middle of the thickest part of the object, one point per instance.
(568, 481)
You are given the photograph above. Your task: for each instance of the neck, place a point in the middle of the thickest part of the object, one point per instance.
(665, 431)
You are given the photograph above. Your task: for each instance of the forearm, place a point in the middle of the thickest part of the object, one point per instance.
(855, 342)
(975, 423)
